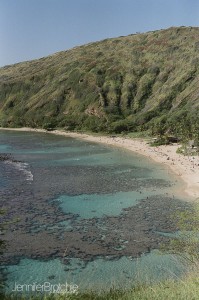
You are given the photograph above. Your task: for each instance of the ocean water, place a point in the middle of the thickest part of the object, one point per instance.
(100, 274)
(83, 212)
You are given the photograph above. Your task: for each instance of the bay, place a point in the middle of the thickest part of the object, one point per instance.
(84, 210)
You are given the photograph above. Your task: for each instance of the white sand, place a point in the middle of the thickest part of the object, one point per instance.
(185, 167)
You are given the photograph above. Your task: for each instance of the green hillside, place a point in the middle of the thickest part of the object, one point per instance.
(138, 82)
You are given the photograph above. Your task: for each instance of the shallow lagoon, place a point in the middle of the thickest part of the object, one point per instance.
(79, 187)
(97, 274)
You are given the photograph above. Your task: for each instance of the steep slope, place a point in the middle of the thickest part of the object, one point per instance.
(148, 80)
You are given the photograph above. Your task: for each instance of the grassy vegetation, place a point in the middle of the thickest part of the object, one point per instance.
(185, 244)
(140, 82)
(184, 289)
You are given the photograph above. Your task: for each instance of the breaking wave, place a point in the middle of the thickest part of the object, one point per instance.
(23, 167)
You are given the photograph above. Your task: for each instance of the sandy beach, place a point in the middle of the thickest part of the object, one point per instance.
(185, 167)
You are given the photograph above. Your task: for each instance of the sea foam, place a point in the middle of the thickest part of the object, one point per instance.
(23, 167)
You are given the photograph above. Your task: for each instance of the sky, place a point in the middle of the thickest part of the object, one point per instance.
(31, 29)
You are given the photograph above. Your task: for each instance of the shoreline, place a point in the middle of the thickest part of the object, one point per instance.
(187, 168)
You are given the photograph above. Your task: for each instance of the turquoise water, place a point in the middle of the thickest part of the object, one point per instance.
(96, 274)
(91, 206)
(73, 196)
